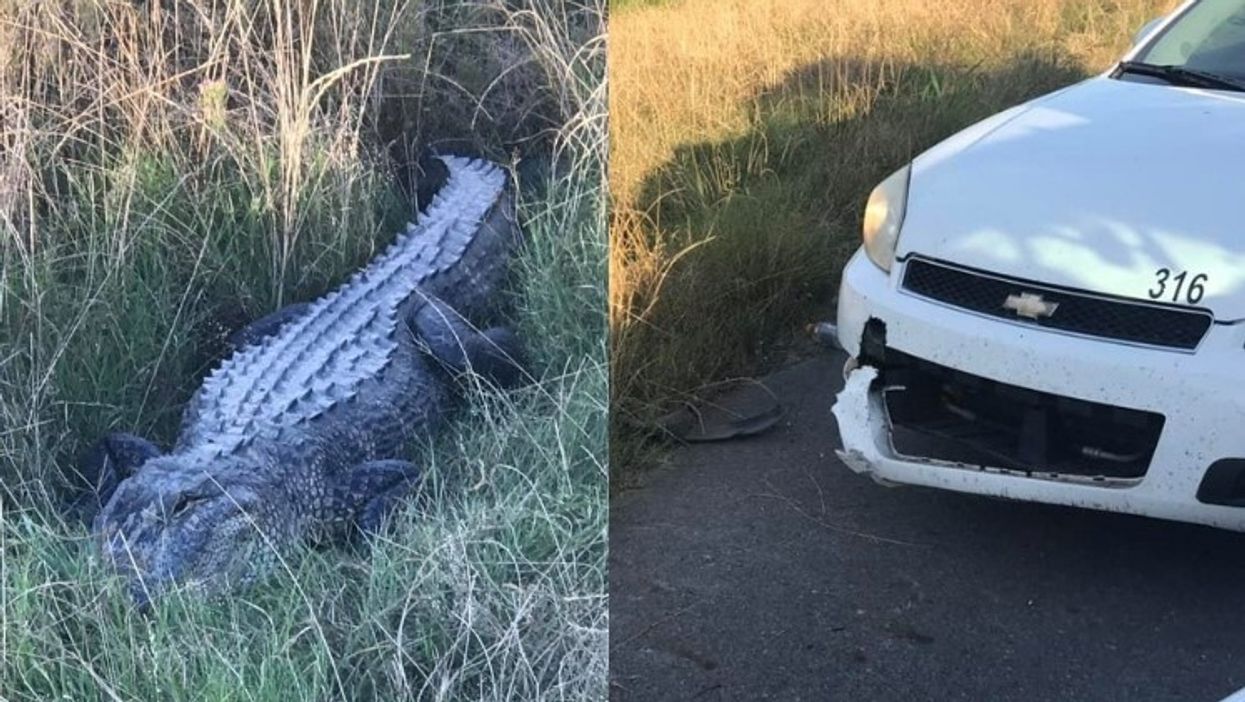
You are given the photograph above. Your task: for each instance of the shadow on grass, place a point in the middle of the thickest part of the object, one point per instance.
(753, 231)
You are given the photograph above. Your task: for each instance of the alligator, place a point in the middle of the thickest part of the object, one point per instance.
(298, 436)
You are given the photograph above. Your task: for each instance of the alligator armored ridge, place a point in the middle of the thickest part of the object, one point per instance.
(298, 433)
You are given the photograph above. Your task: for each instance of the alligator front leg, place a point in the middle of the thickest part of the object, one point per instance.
(495, 353)
(113, 459)
(367, 494)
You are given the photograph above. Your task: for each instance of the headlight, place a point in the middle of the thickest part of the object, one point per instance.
(884, 216)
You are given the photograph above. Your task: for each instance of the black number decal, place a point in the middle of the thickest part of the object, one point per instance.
(1192, 295)
(1179, 285)
(1197, 288)
(1162, 274)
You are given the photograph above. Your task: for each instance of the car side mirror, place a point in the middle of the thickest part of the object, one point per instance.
(1146, 29)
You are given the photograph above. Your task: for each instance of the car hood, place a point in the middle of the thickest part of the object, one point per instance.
(1095, 187)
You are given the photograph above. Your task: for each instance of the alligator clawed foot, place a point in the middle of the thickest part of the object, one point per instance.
(500, 358)
(114, 458)
(369, 493)
(494, 354)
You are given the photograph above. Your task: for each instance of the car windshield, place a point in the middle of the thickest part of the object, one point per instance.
(1209, 37)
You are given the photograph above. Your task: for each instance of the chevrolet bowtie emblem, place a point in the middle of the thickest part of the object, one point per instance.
(1030, 306)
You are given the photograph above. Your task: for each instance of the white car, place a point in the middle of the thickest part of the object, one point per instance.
(1050, 305)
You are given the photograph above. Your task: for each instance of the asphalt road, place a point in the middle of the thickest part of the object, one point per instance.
(764, 569)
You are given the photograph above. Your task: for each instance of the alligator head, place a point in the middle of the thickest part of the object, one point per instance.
(200, 522)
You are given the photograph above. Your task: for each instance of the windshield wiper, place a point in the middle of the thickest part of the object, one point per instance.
(1178, 75)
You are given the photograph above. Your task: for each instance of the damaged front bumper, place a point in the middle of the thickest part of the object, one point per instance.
(1168, 443)
(867, 435)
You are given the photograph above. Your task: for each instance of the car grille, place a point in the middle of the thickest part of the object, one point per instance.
(944, 414)
(1078, 313)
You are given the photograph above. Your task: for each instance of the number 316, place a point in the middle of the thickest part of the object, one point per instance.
(1192, 294)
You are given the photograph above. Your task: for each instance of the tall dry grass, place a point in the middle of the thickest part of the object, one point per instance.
(746, 135)
(275, 89)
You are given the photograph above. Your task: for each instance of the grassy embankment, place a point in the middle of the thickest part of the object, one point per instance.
(747, 134)
(169, 171)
